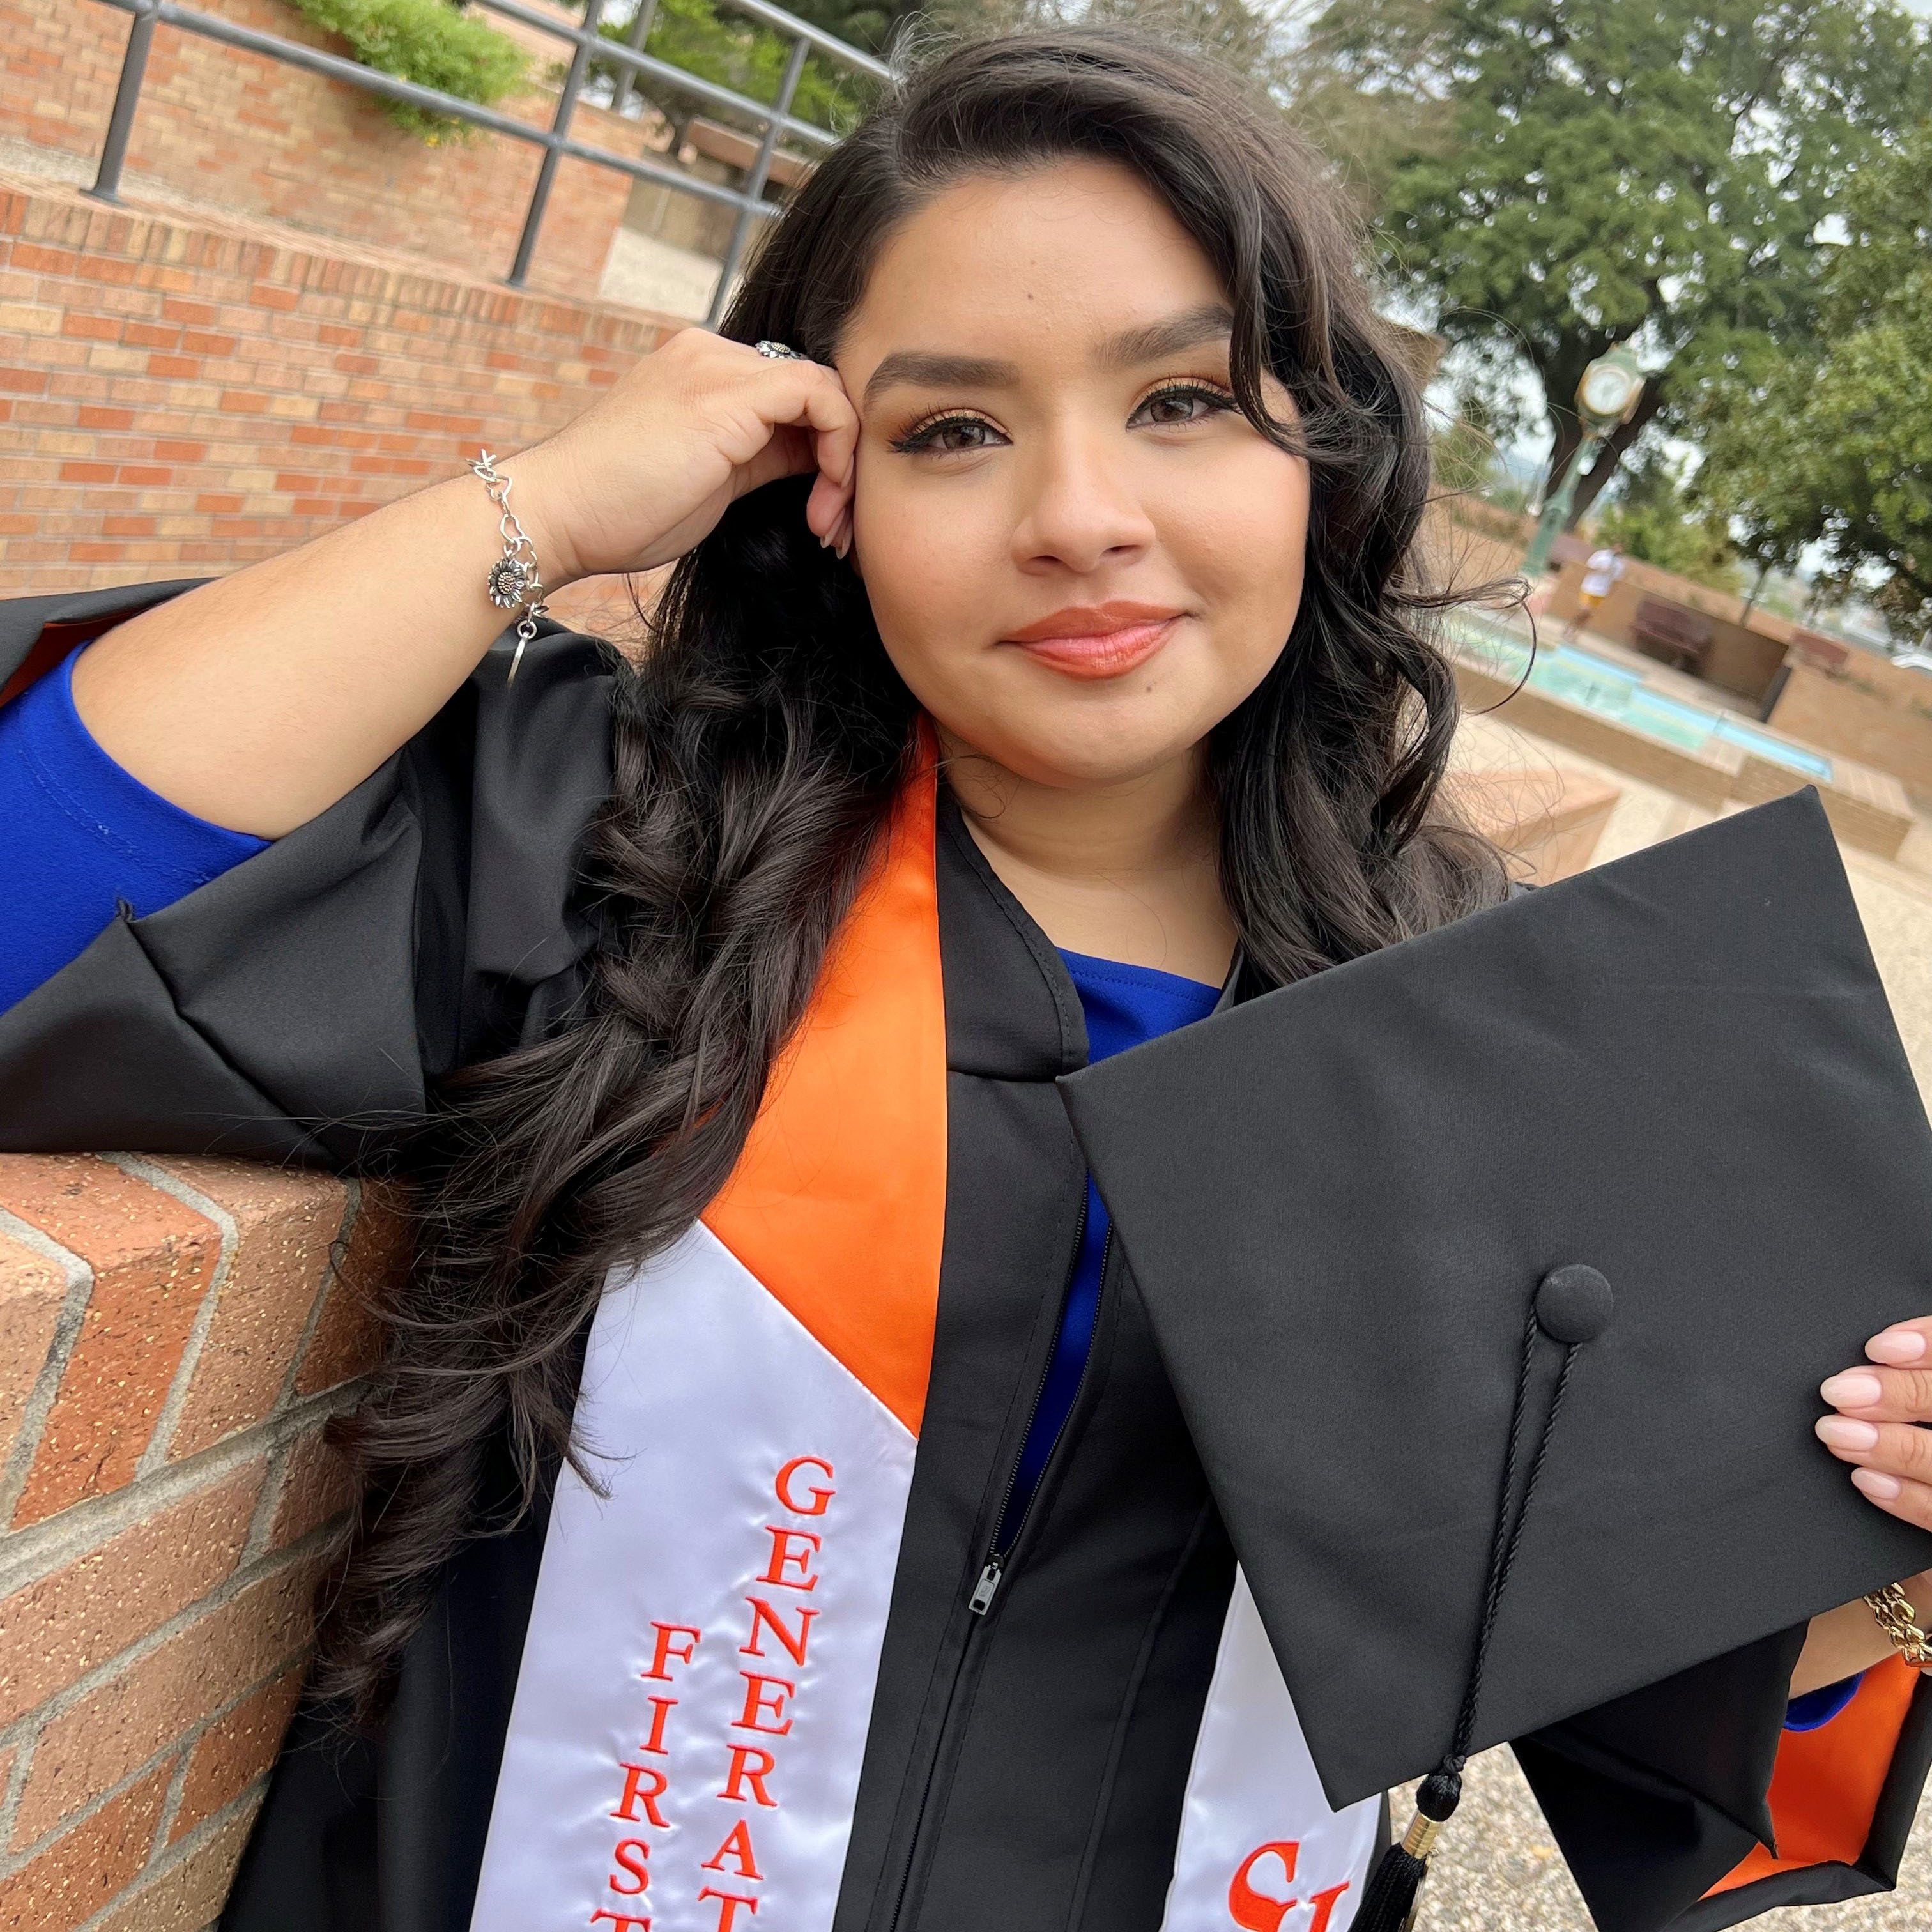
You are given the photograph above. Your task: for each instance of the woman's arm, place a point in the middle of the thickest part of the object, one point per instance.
(1843, 1642)
(257, 701)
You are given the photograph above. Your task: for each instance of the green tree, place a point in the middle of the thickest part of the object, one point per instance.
(718, 44)
(1831, 446)
(1657, 521)
(1585, 171)
(1464, 457)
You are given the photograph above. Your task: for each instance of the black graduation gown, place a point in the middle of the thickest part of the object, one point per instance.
(295, 1007)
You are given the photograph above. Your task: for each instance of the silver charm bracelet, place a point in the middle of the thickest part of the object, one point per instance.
(514, 582)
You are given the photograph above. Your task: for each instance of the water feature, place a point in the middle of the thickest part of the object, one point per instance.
(1617, 692)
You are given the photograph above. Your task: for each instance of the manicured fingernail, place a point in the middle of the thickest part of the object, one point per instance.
(1854, 1389)
(1880, 1487)
(1897, 1346)
(1841, 1433)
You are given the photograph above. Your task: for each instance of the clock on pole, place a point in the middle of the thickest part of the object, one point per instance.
(1606, 396)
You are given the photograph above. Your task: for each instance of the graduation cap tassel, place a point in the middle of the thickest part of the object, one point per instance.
(1389, 1905)
(1572, 1306)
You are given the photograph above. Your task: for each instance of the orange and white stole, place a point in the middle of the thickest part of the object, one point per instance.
(697, 1679)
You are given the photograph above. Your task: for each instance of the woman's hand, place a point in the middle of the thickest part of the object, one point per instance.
(258, 699)
(644, 473)
(1878, 1409)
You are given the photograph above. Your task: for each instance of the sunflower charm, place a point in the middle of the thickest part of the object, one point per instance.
(510, 583)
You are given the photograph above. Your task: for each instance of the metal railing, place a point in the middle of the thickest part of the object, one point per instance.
(776, 118)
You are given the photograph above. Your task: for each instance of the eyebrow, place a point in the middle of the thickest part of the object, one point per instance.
(927, 369)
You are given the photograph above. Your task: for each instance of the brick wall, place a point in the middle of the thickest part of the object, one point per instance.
(172, 1337)
(182, 395)
(1849, 715)
(225, 127)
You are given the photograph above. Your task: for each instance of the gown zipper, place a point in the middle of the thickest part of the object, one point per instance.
(997, 1558)
(995, 1569)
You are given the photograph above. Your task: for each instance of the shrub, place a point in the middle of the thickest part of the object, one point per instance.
(431, 43)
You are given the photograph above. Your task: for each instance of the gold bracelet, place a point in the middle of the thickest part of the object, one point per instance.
(1900, 1621)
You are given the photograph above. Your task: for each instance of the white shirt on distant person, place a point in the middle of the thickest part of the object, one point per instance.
(1603, 570)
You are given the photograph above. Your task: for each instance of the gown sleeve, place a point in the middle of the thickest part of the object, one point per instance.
(1689, 1806)
(296, 1007)
(83, 835)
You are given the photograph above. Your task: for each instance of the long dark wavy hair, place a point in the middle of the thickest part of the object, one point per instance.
(760, 744)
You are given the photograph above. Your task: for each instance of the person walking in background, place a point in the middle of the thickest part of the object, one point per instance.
(1600, 574)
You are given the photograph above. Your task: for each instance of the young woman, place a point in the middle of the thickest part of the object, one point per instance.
(1044, 663)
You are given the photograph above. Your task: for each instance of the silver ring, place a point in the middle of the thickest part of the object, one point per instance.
(778, 352)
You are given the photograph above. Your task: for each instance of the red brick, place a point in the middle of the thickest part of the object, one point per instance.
(48, 261)
(144, 472)
(317, 1485)
(347, 1341)
(93, 417)
(81, 1871)
(188, 1895)
(388, 466)
(105, 268)
(419, 342)
(94, 328)
(152, 1258)
(159, 1698)
(32, 1289)
(285, 1225)
(55, 1630)
(455, 425)
(235, 1750)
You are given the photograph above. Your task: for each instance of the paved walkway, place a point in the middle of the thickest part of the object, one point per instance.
(1498, 1869)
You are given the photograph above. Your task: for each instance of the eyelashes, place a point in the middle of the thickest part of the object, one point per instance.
(1219, 401)
(928, 434)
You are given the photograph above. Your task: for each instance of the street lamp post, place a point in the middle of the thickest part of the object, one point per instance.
(1606, 397)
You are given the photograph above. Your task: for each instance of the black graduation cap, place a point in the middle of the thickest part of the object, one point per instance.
(1497, 1271)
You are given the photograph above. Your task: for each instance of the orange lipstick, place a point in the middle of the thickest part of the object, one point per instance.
(1097, 640)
